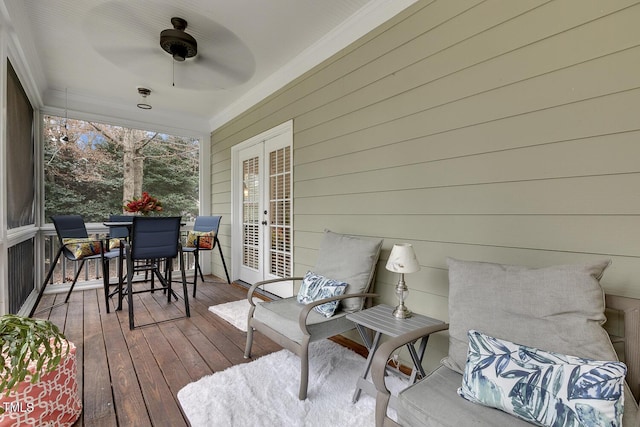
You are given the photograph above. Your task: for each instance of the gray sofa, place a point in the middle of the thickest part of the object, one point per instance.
(558, 309)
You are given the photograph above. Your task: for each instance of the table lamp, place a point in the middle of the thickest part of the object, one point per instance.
(402, 260)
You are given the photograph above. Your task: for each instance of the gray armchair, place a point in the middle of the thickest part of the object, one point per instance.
(294, 325)
(559, 309)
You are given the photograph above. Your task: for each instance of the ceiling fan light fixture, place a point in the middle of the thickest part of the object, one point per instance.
(177, 43)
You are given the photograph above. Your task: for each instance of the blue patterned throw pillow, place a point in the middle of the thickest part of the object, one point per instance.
(316, 287)
(542, 387)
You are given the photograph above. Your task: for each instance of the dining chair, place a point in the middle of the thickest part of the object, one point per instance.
(76, 246)
(156, 242)
(204, 237)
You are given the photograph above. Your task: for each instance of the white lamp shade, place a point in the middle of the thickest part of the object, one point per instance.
(402, 259)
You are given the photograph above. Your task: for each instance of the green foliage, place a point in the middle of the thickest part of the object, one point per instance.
(85, 175)
(175, 181)
(24, 340)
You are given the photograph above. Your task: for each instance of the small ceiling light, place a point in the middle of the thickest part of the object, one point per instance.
(144, 92)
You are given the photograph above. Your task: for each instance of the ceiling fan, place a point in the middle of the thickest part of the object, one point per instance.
(127, 36)
(178, 43)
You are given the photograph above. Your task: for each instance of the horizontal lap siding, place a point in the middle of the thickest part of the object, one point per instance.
(498, 131)
(221, 205)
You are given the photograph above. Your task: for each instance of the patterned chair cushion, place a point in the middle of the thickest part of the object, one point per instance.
(114, 243)
(205, 242)
(81, 248)
(543, 387)
(316, 287)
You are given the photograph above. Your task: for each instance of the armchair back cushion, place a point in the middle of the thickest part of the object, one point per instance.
(559, 308)
(348, 259)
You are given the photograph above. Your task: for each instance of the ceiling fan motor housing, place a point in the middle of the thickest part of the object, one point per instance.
(178, 43)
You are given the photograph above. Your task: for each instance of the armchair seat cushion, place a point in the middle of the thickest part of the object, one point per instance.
(282, 316)
(435, 402)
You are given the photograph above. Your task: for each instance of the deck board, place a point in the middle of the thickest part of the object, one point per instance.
(128, 402)
(98, 408)
(131, 378)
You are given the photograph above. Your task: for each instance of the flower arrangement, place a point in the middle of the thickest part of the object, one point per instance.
(144, 204)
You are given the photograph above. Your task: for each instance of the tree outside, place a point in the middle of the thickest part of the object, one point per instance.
(99, 167)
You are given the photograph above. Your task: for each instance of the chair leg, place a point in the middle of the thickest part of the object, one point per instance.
(167, 277)
(200, 269)
(196, 261)
(224, 264)
(46, 280)
(304, 369)
(105, 278)
(153, 283)
(75, 279)
(247, 348)
(120, 278)
(168, 267)
(185, 291)
(130, 289)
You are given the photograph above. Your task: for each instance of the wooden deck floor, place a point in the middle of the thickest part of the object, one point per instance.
(131, 378)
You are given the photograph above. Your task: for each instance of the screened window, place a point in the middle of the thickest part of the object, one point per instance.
(93, 169)
(20, 143)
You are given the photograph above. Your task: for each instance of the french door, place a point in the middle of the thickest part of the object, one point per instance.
(263, 211)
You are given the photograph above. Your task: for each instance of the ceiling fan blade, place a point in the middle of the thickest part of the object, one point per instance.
(230, 72)
(120, 23)
(128, 58)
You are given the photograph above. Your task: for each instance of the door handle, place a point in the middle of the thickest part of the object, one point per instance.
(264, 222)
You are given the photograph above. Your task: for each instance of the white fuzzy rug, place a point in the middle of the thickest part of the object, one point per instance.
(264, 392)
(234, 312)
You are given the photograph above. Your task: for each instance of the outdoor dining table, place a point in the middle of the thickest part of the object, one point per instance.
(129, 225)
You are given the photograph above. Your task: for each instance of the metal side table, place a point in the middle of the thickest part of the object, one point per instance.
(380, 320)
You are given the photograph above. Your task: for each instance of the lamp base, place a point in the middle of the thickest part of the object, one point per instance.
(401, 312)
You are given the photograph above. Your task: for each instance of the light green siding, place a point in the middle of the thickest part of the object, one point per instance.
(504, 131)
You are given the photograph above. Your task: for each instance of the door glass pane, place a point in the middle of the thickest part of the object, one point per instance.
(250, 214)
(280, 212)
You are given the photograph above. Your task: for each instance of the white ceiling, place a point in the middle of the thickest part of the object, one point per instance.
(100, 51)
